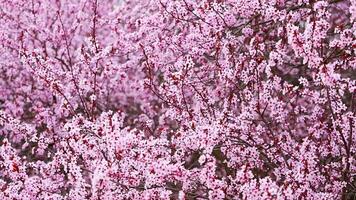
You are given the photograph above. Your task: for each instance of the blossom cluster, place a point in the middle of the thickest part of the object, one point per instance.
(177, 99)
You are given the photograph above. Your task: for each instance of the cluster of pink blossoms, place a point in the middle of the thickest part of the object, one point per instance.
(177, 99)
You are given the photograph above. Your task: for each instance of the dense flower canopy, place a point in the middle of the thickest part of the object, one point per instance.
(177, 99)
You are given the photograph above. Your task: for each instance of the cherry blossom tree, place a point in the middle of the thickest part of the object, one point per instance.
(177, 99)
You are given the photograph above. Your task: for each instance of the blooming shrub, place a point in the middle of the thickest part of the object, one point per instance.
(177, 99)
